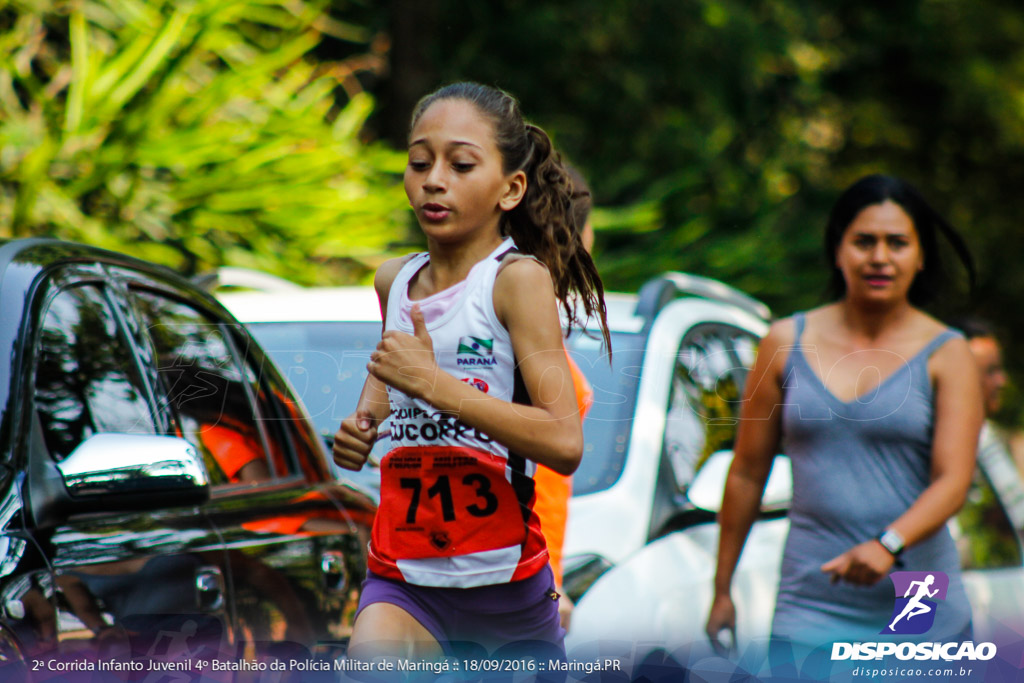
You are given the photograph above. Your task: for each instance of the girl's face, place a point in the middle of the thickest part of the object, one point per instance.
(880, 254)
(454, 178)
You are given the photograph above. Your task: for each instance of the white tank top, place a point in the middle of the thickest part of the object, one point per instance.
(457, 508)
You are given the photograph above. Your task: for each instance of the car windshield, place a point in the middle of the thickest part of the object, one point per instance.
(324, 361)
(607, 426)
(326, 364)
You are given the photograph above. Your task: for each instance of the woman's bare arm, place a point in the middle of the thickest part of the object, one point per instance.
(757, 443)
(958, 416)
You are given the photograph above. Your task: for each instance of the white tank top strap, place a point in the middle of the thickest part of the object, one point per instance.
(401, 284)
(479, 281)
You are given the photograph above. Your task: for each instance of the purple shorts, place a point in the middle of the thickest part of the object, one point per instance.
(491, 617)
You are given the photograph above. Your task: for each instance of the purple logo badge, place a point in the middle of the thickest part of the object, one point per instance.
(916, 596)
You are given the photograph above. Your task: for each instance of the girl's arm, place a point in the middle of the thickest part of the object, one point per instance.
(757, 443)
(549, 430)
(374, 397)
(958, 418)
(355, 437)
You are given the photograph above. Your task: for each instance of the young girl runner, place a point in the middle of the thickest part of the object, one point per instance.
(472, 370)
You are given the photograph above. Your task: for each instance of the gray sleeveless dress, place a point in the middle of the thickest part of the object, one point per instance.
(857, 466)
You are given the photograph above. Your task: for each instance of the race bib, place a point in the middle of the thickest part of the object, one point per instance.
(441, 501)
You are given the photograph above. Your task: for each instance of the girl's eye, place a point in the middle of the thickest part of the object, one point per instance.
(463, 167)
(418, 165)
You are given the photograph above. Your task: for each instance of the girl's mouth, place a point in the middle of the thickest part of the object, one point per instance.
(435, 212)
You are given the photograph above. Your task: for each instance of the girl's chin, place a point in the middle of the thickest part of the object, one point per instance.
(451, 232)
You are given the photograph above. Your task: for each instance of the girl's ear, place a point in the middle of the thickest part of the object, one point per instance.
(514, 191)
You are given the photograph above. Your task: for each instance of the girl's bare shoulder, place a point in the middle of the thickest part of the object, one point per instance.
(524, 284)
(523, 276)
(385, 277)
(387, 272)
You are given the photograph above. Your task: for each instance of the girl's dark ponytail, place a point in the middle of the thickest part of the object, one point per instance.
(544, 225)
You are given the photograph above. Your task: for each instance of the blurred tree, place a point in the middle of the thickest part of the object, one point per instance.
(195, 134)
(722, 130)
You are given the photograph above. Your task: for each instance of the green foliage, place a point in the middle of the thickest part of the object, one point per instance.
(740, 121)
(194, 133)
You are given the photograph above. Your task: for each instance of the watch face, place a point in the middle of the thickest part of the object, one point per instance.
(892, 541)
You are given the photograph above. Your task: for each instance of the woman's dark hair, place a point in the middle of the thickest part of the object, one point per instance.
(876, 189)
(544, 223)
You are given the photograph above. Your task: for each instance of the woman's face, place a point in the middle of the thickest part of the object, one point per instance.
(454, 178)
(880, 254)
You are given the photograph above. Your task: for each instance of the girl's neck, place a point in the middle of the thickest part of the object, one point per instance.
(450, 263)
(872, 322)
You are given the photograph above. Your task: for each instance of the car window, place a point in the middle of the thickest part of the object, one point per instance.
(607, 426)
(284, 414)
(216, 400)
(325, 362)
(85, 380)
(704, 399)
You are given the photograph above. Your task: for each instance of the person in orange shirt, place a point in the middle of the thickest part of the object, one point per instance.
(552, 489)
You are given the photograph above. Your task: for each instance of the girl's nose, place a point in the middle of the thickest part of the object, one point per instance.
(435, 180)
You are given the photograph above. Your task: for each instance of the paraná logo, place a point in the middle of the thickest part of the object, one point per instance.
(916, 596)
(475, 346)
(475, 352)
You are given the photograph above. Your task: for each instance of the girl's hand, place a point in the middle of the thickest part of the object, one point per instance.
(354, 440)
(862, 565)
(406, 362)
(721, 626)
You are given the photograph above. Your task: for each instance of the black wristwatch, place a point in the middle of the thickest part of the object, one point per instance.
(892, 541)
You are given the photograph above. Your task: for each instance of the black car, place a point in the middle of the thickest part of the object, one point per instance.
(163, 496)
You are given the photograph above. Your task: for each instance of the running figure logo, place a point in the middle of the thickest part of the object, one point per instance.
(916, 595)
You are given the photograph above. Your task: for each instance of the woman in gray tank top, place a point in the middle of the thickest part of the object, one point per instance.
(878, 406)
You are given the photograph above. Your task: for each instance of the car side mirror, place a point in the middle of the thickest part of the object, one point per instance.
(133, 471)
(708, 486)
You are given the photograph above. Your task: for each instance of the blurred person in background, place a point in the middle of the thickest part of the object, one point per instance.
(1000, 450)
(878, 406)
(988, 353)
